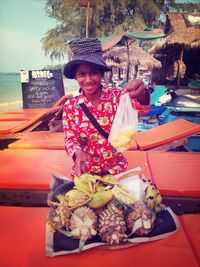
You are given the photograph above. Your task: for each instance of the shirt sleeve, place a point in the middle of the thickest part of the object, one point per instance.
(72, 141)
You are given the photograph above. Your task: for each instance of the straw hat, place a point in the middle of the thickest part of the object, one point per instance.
(85, 51)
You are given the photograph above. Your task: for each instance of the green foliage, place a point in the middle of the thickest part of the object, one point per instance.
(106, 18)
(54, 67)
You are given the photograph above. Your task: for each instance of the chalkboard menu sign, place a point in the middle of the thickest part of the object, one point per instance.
(41, 88)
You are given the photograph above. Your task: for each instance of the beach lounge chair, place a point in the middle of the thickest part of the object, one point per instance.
(26, 173)
(190, 225)
(14, 124)
(25, 226)
(175, 173)
(40, 140)
(151, 119)
(16, 117)
(165, 137)
(31, 123)
(160, 138)
(158, 92)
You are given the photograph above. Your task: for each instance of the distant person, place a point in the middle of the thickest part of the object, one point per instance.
(177, 70)
(89, 147)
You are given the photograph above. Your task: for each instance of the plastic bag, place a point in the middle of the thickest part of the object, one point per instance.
(124, 124)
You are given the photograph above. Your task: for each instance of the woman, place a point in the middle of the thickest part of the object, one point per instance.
(90, 149)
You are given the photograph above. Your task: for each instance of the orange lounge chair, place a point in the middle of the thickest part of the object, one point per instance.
(160, 138)
(25, 227)
(166, 136)
(177, 175)
(7, 126)
(32, 168)
(18, 126)
(16, 117)
(27, 111)
(191, 226)
(26, 173)
(40, 140)
(17, 121)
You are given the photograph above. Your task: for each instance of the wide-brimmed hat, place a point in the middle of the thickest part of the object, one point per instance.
(85, 51)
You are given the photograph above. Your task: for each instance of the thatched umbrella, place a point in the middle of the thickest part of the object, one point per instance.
(126, 40)
(118, 56)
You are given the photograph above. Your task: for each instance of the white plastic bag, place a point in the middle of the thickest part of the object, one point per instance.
(134, 182)
(124, 124)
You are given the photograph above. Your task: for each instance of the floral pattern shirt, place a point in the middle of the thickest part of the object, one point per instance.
(80, 132)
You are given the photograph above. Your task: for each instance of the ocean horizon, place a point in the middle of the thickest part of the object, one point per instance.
(11, 90)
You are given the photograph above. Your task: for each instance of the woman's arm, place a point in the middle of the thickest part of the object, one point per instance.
(72, 141)
(139, 94)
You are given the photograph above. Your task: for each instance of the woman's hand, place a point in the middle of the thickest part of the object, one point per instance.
(81, 162)
(137, 90)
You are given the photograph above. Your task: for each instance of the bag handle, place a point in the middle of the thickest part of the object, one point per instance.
(93, 120)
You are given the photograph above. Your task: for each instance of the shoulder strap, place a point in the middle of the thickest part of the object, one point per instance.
(93, 120)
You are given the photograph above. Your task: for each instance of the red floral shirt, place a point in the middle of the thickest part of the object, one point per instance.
(80, 132)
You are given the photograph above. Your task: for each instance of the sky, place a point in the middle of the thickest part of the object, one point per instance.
(23, 23)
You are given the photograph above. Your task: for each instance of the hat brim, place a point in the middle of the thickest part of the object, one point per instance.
(94, 60)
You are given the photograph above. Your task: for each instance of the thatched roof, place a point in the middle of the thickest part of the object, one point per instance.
(118, 55)
(183, 29)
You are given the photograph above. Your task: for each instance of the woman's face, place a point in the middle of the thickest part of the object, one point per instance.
(89, 79)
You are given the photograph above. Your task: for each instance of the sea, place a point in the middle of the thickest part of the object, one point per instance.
(11, 91)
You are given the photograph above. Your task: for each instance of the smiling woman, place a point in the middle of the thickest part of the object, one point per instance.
(87, 118)
(89, 80)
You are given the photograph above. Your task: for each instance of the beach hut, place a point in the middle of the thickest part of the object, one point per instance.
(182, 45)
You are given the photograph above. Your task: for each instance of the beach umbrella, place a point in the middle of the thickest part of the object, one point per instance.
(137, 55)
(126, 40)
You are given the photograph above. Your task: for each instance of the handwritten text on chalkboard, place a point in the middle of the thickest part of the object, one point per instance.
(43, 88)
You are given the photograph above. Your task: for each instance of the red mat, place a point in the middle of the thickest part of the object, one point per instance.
(23, 244)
